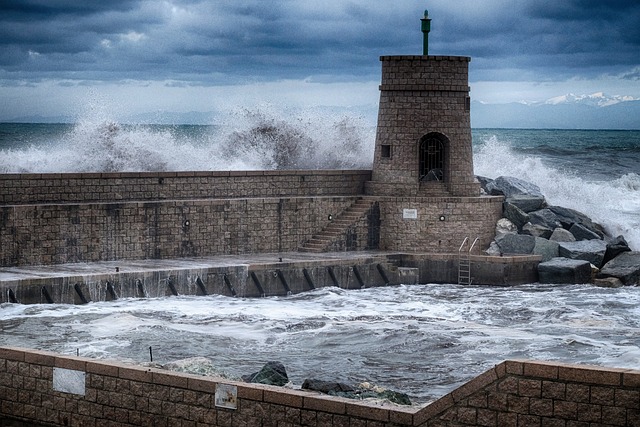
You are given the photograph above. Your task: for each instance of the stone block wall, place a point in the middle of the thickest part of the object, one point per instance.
(67, 233)
(38, 386)
(441, 223)
(20, 189)
(523, 393)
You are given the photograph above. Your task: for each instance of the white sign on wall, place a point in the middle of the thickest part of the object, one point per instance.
(410, 214)
(69, 381)
(227, 396)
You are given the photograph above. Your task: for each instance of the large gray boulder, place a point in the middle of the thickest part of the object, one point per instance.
(527, 202)
(546, 218)
(615, 247)
(588, 250)
(327, 387)
(484, 181)
(510, 186)
(563, 270)
(516, 244)
(537, 230)
(562, 235)
(515, 215)
(580, 232)
(546, 248)
(567, 217)
(625, 267)
(272, 373)
(505, 226)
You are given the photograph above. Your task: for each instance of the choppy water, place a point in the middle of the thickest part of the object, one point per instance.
(424, 339)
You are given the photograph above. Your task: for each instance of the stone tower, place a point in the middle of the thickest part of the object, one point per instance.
(422, 176)
(423, 139)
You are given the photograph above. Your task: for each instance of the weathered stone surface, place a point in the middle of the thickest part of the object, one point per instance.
(580, 232)
(564, 270)
(546, 218)
(515, 215)
(625, 267)
(505, 226)
(608, 282)
(546, 248)
(362, 392)
(615, 247)
(483, 180)
(326, 387)
(588, 250)
(536, 230)
(568, 217)
(516, 244)
(527, 202)
(493, 250)
(562, 235)
(510, 186)
(273, 373)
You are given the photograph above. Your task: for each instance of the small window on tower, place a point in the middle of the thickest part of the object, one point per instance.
(385, 151)
(467, 103)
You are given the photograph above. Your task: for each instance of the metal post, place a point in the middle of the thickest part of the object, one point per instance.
(426, 27)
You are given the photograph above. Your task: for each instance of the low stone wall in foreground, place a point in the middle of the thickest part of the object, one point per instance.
(37, 386)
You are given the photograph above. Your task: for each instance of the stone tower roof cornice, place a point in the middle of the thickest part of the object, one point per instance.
(425, 58)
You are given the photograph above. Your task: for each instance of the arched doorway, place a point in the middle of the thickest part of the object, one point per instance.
(432, 154)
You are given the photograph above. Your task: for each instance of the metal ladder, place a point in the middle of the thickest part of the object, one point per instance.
(464, 262)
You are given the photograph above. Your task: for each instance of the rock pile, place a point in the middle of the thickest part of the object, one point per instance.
(574, 249)
(274, 373)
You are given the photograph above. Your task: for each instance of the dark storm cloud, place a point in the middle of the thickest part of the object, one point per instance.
(231, 42)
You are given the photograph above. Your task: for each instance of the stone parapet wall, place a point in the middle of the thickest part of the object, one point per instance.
(39, 386)
(524, 393)
(425, 73)
(19, 189)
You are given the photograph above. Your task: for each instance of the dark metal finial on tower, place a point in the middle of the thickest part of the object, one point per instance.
(426, 27)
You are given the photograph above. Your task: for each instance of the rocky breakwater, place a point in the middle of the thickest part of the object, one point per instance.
(574, 248)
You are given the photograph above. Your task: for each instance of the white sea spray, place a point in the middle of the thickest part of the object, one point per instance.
(615, 203)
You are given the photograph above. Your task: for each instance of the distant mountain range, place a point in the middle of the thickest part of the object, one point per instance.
(595, 111)
(598, 99)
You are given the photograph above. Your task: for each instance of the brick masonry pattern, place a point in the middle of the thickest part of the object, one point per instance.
(513, 393)
(420, 95)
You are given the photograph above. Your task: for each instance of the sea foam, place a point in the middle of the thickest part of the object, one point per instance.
(615, 204)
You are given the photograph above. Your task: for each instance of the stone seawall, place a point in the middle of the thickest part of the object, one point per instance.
(44, 387)
(78, 218)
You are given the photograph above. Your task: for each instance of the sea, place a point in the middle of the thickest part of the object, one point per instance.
(423, 340)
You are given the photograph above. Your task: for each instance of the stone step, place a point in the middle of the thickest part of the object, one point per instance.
(331, 232)
(310, 250)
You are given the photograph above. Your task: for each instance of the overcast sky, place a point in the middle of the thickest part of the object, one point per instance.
(66, 56)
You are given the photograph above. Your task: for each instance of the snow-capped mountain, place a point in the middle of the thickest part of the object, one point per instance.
(595, 111)
(598, 99)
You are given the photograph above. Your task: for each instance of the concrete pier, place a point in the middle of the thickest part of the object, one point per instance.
(252, 275)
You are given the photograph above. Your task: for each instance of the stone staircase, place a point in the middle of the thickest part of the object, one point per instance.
(337, 228)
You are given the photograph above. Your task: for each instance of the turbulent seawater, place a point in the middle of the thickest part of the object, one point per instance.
(424, 340)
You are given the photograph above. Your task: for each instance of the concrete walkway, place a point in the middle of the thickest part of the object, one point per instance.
(286, 259)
